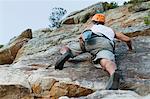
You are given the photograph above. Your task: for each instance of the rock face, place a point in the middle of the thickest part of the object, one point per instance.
(13, 84)
(108, 94)
(8, 53)
(80, 79)
(131, 23)
(83, 15)
(135, 66)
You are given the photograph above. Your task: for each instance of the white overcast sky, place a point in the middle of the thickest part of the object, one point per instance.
(18, 15)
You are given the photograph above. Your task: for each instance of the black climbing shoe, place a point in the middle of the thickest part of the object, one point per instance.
(114, 81)
(60, 62)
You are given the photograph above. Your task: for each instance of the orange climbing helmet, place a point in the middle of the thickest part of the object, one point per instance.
(98, 18)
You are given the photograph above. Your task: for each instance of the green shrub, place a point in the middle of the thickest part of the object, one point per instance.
(111, 5)
(147, 19)
(85, 17)
(135, 1)
(125, 3)
(1, 46)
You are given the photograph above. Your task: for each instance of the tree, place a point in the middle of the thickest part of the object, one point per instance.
(55, 17)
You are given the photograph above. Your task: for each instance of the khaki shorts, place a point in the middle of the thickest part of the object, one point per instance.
(95, 47)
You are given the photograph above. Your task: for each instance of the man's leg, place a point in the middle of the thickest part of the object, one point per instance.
(66, 54)
(69, 51)
(110, 66)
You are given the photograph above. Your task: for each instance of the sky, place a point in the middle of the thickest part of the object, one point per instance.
(19, 15)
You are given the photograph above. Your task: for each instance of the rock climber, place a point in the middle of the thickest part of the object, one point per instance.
(98, 40)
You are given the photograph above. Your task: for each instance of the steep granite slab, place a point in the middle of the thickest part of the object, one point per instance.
(13, 84)
(135, 66)
(36, 60)
(9, 52)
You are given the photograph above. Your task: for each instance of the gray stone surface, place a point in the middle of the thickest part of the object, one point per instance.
(9, 52)
(13, 84)
(33, 67)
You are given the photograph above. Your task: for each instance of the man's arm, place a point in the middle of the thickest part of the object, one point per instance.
(124, 38)
(82, 43)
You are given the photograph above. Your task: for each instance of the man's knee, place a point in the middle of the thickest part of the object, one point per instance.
(64, 49)
(106, 63)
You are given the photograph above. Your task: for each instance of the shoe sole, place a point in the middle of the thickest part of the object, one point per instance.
(60, 62)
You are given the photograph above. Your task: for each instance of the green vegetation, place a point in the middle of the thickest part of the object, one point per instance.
(125, 3)
(84, 18)
(137, 6)
(135, 1)
(111, 5)
(147, 19)
(55, 17)
(1, 46)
